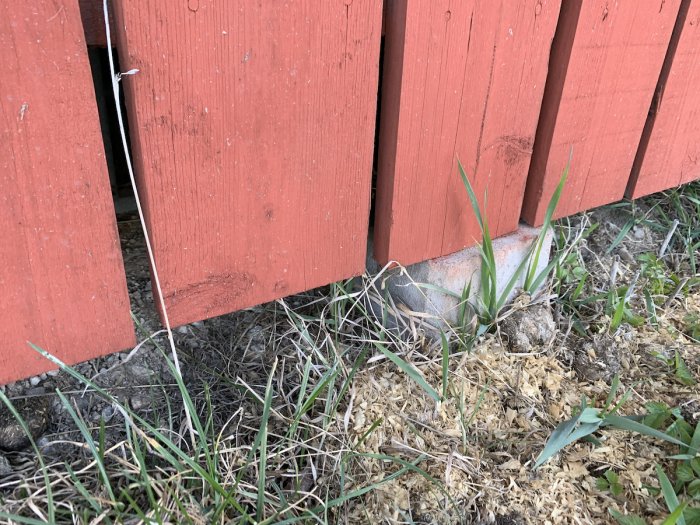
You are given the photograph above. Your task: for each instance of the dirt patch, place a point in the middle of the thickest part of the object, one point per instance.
(528, 329)
(598, 359)
(34, 411)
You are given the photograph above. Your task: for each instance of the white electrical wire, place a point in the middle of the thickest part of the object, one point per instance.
(116, 77)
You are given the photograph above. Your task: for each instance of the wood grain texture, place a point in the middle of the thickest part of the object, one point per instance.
(606, 60)
(61, 272)
(462, 80)
(92, 15)
(669, 152)
(252, 127)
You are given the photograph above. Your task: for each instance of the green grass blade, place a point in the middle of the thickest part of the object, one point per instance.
(629, 519)
(620, 236)
(412, 466)
(515, 278)
(445, 364)
(367, 432)
(409, 370)
(676, 516)
(12, 518)
(614, 386)
(357, 364)
(262, 461)
(619, 313)
(694, 447)
(80, 487)
(569, 431)
(44, 471)
(546, 224)
(169, 451)
(564, 439)
(669, 494)
(89, 441)
(439, 289)
(625, 423)
(534, 285)
(472, 196)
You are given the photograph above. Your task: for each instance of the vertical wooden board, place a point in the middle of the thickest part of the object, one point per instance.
(252, 127)
(606, 59)
(669, 152)
(462, 80)
(61, 271)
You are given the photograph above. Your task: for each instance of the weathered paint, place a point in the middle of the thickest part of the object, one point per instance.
(61, 272)
(606, 59)
(462, 80)
(252, 128)
(669, 152)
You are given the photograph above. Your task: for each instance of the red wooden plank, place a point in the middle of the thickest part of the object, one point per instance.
(461, 80)
(92, 14)
(253, 128)
(61, 271)
(606, 60)
(669, 152)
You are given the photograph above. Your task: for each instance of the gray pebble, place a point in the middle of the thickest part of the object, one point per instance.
(528, 329)
(107, 413)
(139, 402)
(5, 467)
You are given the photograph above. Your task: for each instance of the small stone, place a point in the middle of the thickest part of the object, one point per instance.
(34, 411)
(5, 467)
(529, 328)
(34, 381)
(52, 373)
(43, 376)
(139, 373)
(139, 402)
(36, 391)
(107, 413)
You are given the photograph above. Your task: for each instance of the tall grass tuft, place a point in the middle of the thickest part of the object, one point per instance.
(490, 302)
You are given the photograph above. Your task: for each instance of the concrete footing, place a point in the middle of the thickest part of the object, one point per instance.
(446, 277)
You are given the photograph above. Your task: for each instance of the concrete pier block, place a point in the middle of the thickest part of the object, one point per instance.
(453, 272)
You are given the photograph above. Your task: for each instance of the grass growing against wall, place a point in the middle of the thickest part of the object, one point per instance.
(341, 406)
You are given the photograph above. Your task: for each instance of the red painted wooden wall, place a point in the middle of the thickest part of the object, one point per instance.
(61, 273)
(669, 152)
(253, 133)
(606, 60)
(461, 80)
(252, 126)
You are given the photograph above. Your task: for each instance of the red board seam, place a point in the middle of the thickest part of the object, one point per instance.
(559, 57)
(658, 96)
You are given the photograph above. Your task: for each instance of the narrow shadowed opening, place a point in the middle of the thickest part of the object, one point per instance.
(123, 195)
(375, 158)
